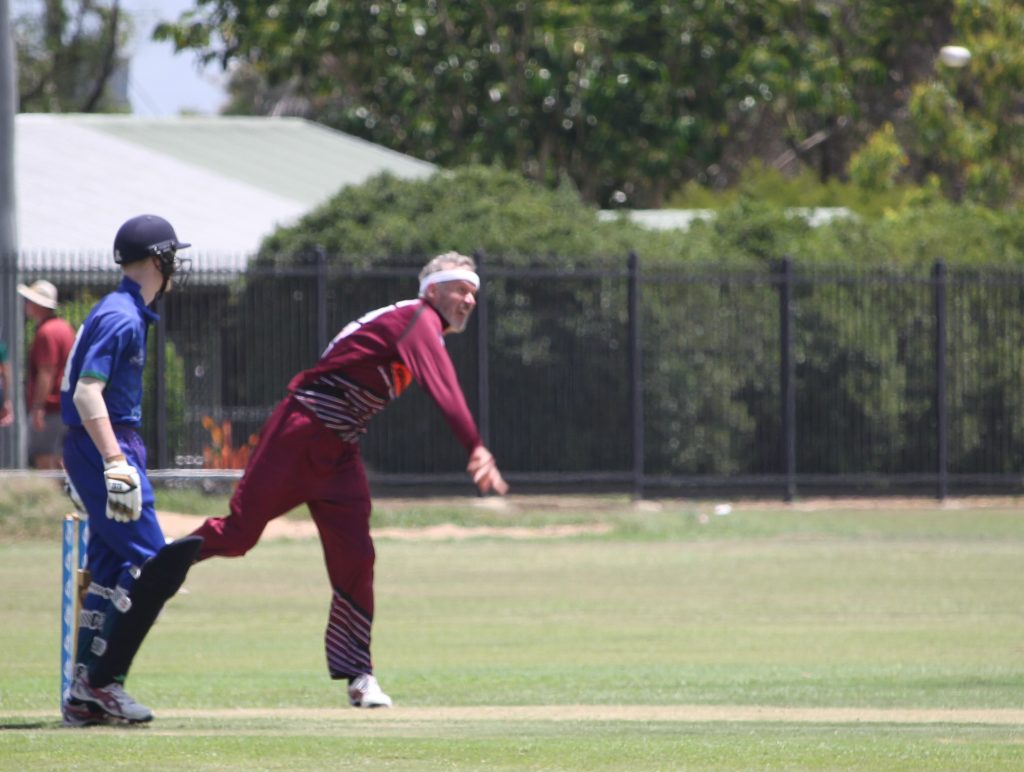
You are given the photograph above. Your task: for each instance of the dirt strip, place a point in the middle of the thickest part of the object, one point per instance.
(177, 525)
(623, 713)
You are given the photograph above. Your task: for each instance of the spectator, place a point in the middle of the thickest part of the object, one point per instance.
(47, 354)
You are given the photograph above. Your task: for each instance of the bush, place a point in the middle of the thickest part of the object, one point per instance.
(388, 221)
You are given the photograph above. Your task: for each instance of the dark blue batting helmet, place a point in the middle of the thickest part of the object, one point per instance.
(145, 236)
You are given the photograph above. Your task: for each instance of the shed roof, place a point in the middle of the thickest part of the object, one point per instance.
(223, 182)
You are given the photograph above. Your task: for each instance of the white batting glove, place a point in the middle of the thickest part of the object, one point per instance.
(124, 492)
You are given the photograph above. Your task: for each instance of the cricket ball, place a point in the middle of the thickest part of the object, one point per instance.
(954, 56)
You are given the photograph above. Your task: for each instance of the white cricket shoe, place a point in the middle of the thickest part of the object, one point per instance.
(112, 700)
(365, 692)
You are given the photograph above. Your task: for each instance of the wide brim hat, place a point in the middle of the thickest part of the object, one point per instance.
(41, 292)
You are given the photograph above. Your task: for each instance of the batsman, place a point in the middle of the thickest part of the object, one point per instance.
(309, 453)
(134, 571)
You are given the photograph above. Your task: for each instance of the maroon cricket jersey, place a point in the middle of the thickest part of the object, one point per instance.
(372, 361)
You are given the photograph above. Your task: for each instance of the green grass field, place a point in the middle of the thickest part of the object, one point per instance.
(770, 638)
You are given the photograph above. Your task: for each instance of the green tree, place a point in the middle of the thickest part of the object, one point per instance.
(68, 54)
(629, 99)
(877, 166)
(964, 124)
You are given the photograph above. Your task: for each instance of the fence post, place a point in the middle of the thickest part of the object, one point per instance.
(787, 376)
(161, 386)
(12, 320)
(636, 375)
(941, 412)
(483, 375)
(321, 301)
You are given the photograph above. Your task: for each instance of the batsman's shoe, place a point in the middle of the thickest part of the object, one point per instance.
(111, 699)
(365, 692)
(77, 713)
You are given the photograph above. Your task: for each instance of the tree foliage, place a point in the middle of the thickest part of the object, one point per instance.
(964, 125)
(629, 99)
(68, 54)
(388, 221)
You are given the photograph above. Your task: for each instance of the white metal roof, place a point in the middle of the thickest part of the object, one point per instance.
(223, 182)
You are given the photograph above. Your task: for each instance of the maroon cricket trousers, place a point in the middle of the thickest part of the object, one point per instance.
(300, 461)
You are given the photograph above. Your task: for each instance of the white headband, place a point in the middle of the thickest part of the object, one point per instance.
(451, 274)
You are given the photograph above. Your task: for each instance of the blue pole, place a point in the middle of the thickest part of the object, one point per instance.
(67, 604)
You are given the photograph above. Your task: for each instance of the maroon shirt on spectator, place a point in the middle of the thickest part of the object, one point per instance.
(50, 347)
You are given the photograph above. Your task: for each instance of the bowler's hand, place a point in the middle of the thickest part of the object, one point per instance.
(484, 471)
(124, 494)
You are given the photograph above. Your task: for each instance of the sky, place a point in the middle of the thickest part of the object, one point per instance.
(160, 83)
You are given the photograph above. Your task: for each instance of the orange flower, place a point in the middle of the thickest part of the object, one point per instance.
(220, 454)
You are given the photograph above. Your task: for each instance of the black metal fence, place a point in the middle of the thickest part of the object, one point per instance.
(786, 380)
